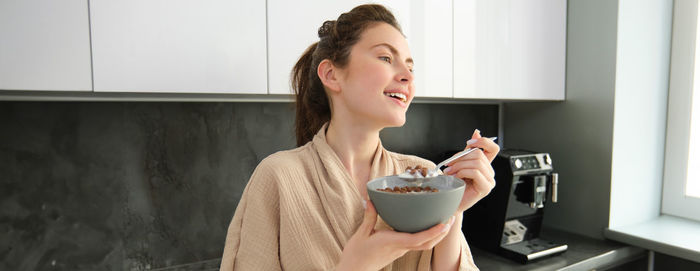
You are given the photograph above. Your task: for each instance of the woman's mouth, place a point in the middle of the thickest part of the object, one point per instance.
(396, 95)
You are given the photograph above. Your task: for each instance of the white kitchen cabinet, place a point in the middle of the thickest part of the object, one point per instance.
(510, 49)
(211, 46)
(44, 45)
(430, 39)
(293, 27)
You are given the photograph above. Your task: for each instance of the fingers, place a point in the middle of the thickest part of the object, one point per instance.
(369, 221)
(433, 242)
(474, 155)
(490, 148)
(484, 143)
(423, 239)
(481, 184)
(481, 164)
(476, 134)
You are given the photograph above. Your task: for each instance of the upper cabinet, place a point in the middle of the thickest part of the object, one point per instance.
(430, 38)
(293, 27)
(466, 49)
(510, 49)
(44, 45)
(211, 46)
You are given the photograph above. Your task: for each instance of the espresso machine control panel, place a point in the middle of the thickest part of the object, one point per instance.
(528, 163)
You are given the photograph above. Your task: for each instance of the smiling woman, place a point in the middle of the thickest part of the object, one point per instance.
(332, 54)
(307, 208)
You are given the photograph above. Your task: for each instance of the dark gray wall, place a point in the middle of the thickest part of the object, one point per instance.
(115, 186)
(667, 262)
(577, 132)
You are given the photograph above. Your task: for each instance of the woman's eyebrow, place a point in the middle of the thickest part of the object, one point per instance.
(393, 51)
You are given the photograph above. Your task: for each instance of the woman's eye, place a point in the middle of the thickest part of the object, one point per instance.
(385, 58)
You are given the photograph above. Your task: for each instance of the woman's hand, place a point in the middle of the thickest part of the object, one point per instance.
(475, 169)
(370, 249)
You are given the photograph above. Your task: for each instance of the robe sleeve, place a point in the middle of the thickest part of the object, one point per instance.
(466, 261)
(252, 241)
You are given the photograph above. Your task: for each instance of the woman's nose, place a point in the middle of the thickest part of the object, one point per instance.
(405, 74)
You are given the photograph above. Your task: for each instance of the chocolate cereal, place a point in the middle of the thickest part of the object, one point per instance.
(408, 189)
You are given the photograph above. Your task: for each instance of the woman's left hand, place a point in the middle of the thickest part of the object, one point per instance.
(475, 169)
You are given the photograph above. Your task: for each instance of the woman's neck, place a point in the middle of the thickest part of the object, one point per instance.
(355, 145)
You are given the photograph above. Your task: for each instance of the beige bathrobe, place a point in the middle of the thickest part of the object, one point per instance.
(301, 207)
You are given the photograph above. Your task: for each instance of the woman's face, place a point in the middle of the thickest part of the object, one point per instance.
(376, 86)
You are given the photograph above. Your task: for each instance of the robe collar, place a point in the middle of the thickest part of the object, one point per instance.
(382, 164)
(341, 199)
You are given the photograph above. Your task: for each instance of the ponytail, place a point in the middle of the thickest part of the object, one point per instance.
(312, 108)
(336, 38)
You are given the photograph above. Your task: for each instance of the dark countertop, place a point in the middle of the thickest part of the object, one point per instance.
(583, 253)
(208, 265)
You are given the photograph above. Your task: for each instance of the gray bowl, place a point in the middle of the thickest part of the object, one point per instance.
(414, 212)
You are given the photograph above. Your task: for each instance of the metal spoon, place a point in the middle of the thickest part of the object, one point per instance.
(406, 176)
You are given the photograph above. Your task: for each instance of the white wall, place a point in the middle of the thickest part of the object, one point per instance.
(641, 91)
(577, 132)
(606, 139)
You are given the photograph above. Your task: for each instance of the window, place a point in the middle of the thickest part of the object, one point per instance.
(681, 191)
(692, 182)
(692, 185)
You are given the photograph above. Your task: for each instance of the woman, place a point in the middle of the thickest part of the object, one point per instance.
(307, 208)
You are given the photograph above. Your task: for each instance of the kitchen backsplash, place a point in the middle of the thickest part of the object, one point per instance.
(137, 186)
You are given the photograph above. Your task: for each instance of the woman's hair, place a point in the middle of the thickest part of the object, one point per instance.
(336, 40)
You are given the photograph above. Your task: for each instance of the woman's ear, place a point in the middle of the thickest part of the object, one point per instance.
(328, 74)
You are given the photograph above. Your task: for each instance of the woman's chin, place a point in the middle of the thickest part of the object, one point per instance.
(397, 122)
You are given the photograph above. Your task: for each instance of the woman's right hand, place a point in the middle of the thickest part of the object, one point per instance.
(370, 249)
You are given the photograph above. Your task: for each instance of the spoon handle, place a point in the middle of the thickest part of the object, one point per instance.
(458, 155)
(455, 157)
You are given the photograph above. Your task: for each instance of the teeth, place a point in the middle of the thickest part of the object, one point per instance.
(401, 96)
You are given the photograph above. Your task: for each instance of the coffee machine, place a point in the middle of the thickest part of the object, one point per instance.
(509, 219)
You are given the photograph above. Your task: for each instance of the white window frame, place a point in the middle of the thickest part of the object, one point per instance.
(681, 83)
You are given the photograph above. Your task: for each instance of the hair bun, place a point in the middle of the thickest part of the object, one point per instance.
(326, 29)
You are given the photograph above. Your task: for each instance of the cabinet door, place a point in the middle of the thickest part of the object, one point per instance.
(44, 45)
(209, 46)
(510, 49)
(430, 39)
(293, 27)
